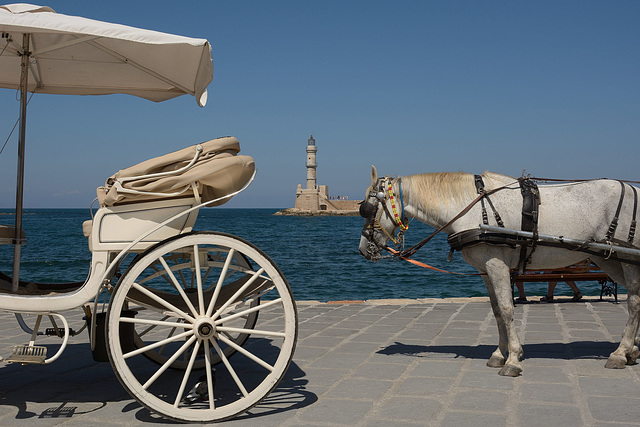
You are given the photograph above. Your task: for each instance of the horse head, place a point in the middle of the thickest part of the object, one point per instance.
(379, 223)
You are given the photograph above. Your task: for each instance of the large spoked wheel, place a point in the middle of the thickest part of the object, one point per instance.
(189, 303)
(161, 354)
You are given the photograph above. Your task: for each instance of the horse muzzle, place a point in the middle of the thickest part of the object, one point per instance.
(368, 248)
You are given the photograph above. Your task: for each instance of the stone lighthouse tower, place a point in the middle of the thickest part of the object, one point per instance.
(315, 200)
(311, 164)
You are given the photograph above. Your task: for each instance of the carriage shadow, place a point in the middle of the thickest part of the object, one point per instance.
(75, 385)
(553, 350)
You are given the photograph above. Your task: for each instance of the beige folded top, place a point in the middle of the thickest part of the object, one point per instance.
(218, 171)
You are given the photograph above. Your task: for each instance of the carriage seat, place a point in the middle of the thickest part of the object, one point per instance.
(213, 169)
(150, 192)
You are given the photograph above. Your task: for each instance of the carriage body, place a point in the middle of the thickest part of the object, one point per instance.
(175, 298)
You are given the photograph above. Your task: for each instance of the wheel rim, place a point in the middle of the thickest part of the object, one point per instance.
(200, 309)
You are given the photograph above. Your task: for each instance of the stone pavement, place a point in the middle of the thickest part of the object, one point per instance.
(391, 363)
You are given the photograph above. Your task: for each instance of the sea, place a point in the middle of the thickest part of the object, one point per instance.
(318, 255)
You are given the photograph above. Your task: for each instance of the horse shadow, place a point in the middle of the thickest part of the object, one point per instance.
(555, 350)
(75, 385)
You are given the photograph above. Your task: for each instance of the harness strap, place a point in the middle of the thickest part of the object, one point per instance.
(632, 227)
(530, 206)
(614, 222)
(480, 189)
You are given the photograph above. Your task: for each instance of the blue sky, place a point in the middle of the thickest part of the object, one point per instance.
(552, 87)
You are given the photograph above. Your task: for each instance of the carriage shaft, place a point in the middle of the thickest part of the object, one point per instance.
(564, 241)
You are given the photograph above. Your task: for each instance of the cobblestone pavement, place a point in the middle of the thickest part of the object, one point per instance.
(391, 363)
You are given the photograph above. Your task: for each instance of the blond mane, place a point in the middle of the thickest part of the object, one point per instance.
(429, 190)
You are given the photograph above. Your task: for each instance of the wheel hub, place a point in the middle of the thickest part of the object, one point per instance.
(204, 328)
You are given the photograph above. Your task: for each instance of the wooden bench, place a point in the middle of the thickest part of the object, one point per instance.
(571, 273)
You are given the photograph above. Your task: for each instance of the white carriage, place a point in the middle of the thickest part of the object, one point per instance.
(200, 326)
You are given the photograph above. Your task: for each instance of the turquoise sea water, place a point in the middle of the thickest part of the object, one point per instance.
(318, 255)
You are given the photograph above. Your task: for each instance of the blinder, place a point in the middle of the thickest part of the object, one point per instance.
(369, 210)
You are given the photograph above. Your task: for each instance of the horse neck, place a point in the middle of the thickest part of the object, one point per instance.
(436, 198)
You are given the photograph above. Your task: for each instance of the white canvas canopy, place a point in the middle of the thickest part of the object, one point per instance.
(78, 56)
(43, 51)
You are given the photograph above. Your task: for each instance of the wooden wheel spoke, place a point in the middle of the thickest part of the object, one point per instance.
(207, 356)
(251, 331)
(168, 363)
(157, 344)
(232, 371)
(246, 353)
(247, 311)
(187, 374)
(150, 328)
(162, 302)
(178, 287)
(221, 278)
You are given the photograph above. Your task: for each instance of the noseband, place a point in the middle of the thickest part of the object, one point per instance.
(372, 214)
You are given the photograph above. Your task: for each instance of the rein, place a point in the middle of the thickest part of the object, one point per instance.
(580, 180)
(430, 267)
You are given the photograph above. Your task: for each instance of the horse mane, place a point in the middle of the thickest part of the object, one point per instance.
(429, 190)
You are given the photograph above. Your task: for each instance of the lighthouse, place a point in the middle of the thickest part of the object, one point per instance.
(315, 200)
(311, 163)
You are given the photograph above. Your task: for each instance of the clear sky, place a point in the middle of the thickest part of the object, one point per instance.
(552, 87)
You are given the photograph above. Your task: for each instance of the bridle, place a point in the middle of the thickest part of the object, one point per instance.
(380, 194)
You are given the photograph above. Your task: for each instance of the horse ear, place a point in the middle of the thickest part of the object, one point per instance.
(374, 175)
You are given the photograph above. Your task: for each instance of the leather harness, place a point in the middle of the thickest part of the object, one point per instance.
(530, 213)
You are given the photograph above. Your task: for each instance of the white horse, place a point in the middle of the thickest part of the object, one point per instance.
(582, 211)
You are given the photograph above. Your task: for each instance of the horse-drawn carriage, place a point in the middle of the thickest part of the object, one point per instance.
(198, 326)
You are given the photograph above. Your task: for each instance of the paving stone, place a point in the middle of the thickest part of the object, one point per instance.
(554, 393)
(424, 386)
(487, 379)
(336, 411)
(609, 387)
(380, 371)
(549, 415)
(408, 409)
(485, 401)
(621, 408)
(457, 419)
(360, 389)
(436, 368)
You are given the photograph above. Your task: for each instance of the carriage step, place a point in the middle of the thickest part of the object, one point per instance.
(28, 354)
(58, 332)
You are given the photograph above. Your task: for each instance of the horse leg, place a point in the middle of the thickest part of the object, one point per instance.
(627, 352)
(499, 356)
(499, 288)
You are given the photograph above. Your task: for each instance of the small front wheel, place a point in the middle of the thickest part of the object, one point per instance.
(183, 331)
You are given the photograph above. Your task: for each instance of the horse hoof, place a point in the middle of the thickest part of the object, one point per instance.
(495, 362)
(633, 355)
(510, 371)
(616, 362)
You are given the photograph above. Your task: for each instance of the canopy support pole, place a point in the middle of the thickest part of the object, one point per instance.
(24, 78)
